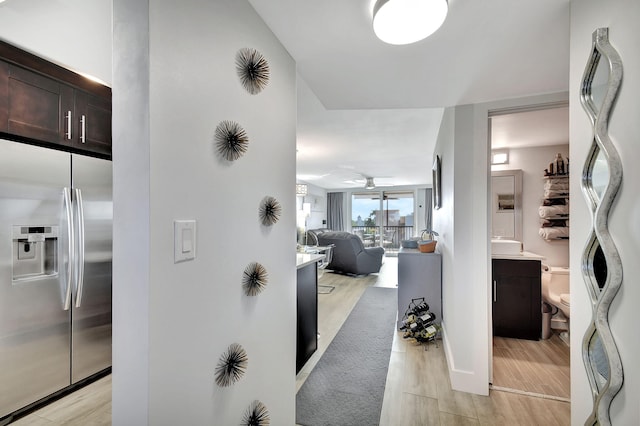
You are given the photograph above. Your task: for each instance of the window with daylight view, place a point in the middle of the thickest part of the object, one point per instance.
(383, 218)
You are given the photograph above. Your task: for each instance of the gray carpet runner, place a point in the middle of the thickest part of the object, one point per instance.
(346, 387)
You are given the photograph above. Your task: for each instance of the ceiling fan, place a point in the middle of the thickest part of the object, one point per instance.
(366, 180)
(369, 183)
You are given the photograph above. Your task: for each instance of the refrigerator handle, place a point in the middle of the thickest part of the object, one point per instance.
(80, 279)
(67, 205)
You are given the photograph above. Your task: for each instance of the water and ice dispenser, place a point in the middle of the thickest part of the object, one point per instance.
(35, 252)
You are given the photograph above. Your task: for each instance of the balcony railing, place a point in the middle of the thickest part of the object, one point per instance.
(389, 238)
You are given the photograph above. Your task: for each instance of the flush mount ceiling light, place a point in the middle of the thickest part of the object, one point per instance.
(407, 21)
(369, 184)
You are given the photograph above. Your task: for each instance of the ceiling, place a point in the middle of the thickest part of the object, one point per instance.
(366, 108)
(530, 128)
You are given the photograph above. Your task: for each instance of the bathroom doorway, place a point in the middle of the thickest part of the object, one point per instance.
(525, 142)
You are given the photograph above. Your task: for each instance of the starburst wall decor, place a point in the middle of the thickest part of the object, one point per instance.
(253, 70)
(270, 211)
(254, 279)
(232, 365)
(231, 140)
(256, 415)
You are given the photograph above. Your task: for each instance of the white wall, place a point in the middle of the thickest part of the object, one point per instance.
(532, 161)
(132, 214)
(197, 309)
(621, 16)
(464, 293)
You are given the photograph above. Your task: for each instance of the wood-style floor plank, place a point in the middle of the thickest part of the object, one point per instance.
(90, 405)
(541, 367)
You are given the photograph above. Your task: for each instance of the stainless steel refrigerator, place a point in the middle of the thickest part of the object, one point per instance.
(55, 271)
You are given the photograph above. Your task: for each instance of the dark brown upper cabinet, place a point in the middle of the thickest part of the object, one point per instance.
(4, 94)
(93, 118)
(44, 104)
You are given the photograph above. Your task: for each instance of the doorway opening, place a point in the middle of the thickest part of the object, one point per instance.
(525, 144)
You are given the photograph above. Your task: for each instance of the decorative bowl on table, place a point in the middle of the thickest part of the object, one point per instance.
(410, 243)
(427, 246)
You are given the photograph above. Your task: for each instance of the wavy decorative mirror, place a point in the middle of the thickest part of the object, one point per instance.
(601, 265)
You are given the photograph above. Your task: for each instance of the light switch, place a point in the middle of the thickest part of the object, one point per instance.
(184, 235)
(187, 240)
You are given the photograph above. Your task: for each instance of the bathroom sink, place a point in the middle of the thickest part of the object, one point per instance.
(509, 247)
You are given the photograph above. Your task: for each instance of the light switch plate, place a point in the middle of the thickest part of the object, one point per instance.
(184, 240)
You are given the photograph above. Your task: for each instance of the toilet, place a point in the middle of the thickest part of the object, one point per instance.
(555, 288)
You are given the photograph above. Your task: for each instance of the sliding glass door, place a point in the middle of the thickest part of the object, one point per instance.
(365, 217)
(383, 218)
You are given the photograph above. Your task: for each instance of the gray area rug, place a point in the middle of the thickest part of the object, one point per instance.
(346, 387)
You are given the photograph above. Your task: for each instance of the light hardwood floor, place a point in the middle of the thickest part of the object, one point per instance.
(539, 367)
(90, 405)
(418, 390)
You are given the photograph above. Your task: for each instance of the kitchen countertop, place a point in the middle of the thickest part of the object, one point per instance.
(304, 259)
(525, 255)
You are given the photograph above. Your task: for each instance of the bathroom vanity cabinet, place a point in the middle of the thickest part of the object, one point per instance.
(517, 298)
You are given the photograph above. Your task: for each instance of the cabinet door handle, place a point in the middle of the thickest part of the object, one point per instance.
(68, 117)
(83, 125)
(495, 291)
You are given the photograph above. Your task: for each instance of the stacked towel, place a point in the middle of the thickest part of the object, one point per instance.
(554, 233)
(555, 201)
(553, 211)
(549, 223)
(557, 184)
(549, 193)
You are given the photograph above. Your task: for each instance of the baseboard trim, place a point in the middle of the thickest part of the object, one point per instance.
(462, 380)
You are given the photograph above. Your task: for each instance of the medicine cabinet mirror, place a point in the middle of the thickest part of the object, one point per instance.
(506, 196)
(601, 265)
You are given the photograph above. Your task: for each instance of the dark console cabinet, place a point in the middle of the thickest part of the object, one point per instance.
(42, 103)
(517, 298)
(307, 309)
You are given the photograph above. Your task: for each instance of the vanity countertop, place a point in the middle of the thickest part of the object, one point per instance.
(304, 259)
(524, 255)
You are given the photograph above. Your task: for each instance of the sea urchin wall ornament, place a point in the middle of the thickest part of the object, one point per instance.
(253, 70)
(254, 279)
(270, 210)
(231, 366)
(231, 140)
(256, 415)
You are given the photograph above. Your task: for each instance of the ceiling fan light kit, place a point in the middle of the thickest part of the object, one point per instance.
(369, 184)
(407, 21)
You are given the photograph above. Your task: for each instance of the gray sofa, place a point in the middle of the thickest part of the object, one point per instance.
(350, 255)
(312, 235)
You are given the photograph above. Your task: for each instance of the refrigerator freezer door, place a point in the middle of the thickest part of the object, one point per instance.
(91, 317)
(34, 327)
